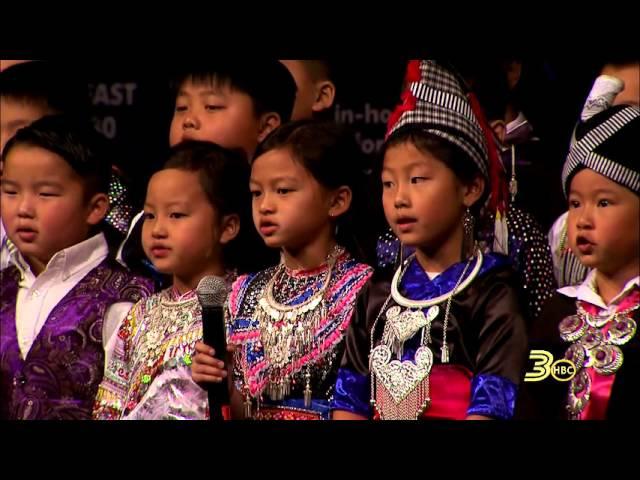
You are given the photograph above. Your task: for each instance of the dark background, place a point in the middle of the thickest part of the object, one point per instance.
(132, 104)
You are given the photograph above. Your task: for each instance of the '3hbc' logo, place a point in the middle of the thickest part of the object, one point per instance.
(561, 370)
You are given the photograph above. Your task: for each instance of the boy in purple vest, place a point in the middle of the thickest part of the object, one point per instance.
(62, 298)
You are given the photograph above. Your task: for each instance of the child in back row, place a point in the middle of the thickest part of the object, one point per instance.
(233, 104)
(316, 89)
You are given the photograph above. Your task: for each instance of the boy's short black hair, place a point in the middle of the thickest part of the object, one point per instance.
(74, 140)
(54, 87)
(267, 82)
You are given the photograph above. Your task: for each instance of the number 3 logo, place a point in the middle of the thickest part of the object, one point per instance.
(562, 370)
(541, 367)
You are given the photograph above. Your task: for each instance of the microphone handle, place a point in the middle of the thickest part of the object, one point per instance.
(214, 335)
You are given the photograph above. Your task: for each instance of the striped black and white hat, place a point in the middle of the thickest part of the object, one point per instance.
(609, 144)
(434, 98)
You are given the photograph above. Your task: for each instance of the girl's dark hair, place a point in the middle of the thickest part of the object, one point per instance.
(448, 153)
(224, 177)
(330, 153)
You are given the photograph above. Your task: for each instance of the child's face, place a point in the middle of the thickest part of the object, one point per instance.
(423, 200)
(290, 208)
(14, 115)
(44, 206)
(181, 229)
(215, 114)
(603, 223)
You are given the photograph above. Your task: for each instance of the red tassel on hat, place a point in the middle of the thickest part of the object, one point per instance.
(498, 199)
(408, 99)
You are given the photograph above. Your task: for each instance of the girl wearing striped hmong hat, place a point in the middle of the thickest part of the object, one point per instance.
(593, 324)
(442, 336)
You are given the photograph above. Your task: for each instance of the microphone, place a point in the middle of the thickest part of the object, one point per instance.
(212, 292)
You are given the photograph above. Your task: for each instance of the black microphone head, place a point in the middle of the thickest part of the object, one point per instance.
(212, 291)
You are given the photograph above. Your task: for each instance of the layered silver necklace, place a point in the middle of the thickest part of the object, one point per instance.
(288, 332)
(400, 389)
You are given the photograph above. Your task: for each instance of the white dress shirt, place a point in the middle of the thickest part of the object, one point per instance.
(587, 291)
(5, 253)
(38, 296)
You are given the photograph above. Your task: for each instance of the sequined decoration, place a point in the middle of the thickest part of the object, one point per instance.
(121, 211)
(387, 249)
(596, 341)
(531, 256)
(163, 338)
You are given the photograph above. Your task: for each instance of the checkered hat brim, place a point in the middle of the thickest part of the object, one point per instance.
(444, 110)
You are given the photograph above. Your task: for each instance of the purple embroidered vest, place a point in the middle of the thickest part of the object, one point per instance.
(60, 376)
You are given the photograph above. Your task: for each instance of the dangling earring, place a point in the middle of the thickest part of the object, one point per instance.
(468, 242)
(332, 218)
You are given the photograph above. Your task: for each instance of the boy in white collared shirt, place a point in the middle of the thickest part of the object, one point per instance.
(62, 297)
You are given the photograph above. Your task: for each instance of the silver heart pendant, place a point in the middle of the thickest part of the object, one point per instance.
(400, 378)
(406, 324)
